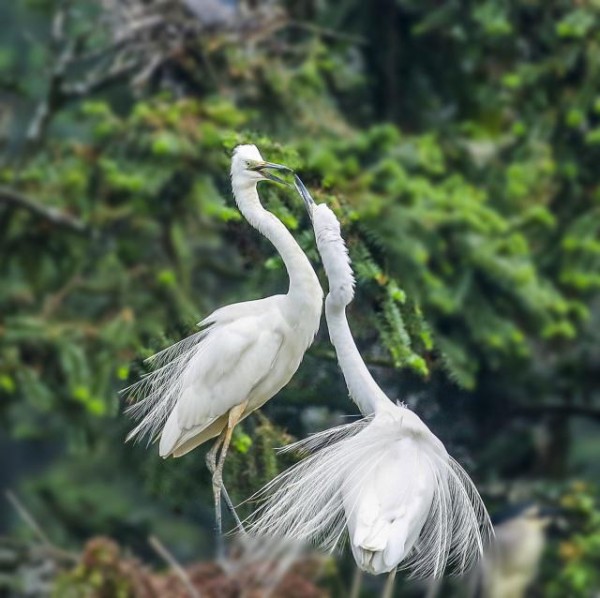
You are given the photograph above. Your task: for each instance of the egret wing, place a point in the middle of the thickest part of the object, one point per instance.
(234, 359)
(156, 396)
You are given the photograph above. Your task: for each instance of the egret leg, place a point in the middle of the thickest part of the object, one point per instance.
(356, 583)
(235, 415)
(211, 456)
(211, 463)
(388, 590)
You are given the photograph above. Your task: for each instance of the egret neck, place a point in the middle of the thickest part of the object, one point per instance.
(304, 290)
(364, 391)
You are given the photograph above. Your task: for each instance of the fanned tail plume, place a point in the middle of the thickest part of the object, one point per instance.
(305, 504)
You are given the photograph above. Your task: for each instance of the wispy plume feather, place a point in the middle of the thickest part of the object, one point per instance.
(320, 498)
(155, 396)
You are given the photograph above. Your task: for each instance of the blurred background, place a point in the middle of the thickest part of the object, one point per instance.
(459, 143)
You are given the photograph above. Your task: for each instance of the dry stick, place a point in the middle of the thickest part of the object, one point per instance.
(327, 32)
(356, 583)
(161, 550)
(28, 518)
(14, 198)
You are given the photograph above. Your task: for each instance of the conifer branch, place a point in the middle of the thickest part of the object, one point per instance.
(13, 198)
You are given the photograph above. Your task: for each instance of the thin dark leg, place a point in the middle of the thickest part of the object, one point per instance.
(388, 590)
(211, 463)
(235, 415)
(356, 583)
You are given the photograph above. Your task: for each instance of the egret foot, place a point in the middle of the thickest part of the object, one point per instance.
(211, 464)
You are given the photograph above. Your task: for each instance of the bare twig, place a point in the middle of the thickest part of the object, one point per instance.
(69, 52)
(28, 518)
(98, 81)
(13, 198)
(51, 102)
(53, 301)
(161, 550)
(326, 32)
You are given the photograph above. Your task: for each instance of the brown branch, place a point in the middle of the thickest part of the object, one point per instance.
(161, 550)
(13, 198)
(53, 301)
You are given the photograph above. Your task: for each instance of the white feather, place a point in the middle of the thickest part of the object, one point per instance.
(248, 353)
(245, 353)
(387, 479)
(391, 484)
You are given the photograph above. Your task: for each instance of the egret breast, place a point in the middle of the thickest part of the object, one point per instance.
(388, 505)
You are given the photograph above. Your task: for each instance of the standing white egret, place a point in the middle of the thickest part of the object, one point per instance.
(244, 354)
(387, 479)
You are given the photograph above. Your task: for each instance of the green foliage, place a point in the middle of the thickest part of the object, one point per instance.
(253, 461)
(579, 555)
(459, 148)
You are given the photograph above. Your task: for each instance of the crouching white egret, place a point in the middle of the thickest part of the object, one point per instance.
(387, 479)
(244, 354)
(512, 560)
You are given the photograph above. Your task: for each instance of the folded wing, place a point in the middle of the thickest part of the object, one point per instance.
(198, 380)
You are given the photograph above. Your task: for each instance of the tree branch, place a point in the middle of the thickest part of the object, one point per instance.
(374, 361)
(560, 409)
(161, 550)
(54, 216)
(97, 82)
(28, 518)
(327, 32)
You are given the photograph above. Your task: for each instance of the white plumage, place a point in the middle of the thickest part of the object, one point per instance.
(387, 479)
(244, 354)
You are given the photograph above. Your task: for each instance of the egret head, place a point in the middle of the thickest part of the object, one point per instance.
(331, 246)
(309, 202)
(248, 166)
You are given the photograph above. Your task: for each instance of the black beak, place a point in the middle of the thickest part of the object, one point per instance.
(309, 202)
(264, 167)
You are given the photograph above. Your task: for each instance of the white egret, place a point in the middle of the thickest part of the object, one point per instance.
(387, 479)
(244, 354)
(512, 560)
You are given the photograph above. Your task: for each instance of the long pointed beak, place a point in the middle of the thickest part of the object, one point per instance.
(309, 202)
(264, 167)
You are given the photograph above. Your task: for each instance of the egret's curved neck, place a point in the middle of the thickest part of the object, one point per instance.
(304, 284)
(364, 391)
